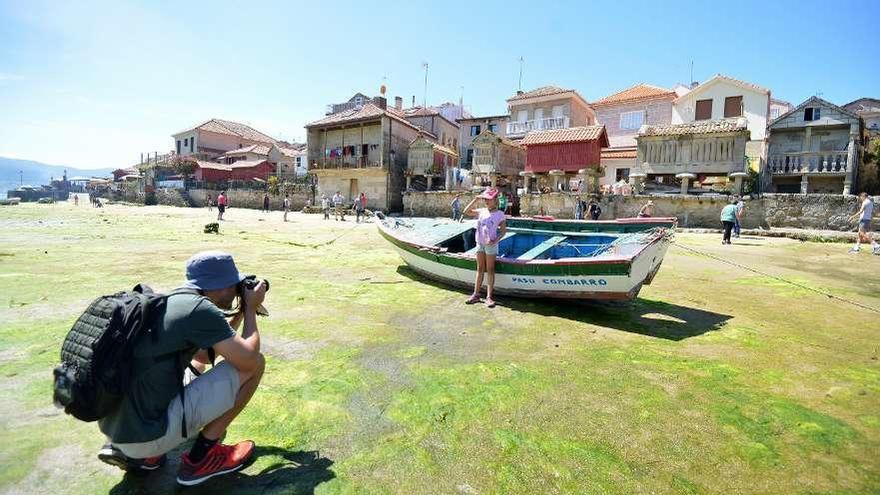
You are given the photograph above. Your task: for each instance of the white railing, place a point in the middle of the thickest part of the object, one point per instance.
(826, 162)
(520, 128)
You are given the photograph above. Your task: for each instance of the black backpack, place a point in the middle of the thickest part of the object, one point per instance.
(96, 357)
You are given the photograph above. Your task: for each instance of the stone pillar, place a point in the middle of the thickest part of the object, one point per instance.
(430, 181)
(684, 185)
(738, 185)
(851, 165)
(450, 180)
(805, 182)
(408, 182)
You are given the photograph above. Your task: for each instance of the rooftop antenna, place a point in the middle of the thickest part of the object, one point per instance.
(692, 73)
(819, 94)
(425, 101)
(519, 88)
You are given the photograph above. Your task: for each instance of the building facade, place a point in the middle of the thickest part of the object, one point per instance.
(362, 149)
(557, 156)
(472, 127)
(289, 159)
(215, 137)
(432, 163)
(814, 148)
(623, 114)
(547, 108)
(497, 157)
(869, 110)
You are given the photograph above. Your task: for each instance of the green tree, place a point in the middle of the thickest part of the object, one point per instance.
(869, 170)
(274, 185)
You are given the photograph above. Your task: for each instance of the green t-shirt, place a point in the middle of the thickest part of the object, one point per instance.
(502, 202)
(728, 214)
(191, 322)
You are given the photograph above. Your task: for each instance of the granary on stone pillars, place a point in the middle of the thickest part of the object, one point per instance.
(709, 154)
(814, 149)
(557, 156)
(430, 165)
(497, 159)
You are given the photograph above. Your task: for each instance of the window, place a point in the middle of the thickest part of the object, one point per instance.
(703, 110)
(621, 174)
(811, 114)
(774, 113)
(178, 146)
(470, 157)
(358, 100)
(632, 120)
(522, 116)
(192, 143)
(733, 106)
(492, 127)
(475, 130)
(539, 113)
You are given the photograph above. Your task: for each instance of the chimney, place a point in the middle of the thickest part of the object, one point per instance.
(414, 100)
(694, 84)
(519, 92)
(398, 102)
(381, 102)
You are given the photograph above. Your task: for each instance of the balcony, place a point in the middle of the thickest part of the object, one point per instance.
(811, 162)
(343, 163)
(519, 129)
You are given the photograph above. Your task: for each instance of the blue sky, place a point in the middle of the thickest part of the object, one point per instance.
(92, 84)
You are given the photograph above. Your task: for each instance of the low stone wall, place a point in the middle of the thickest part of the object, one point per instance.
(168, 197)
(433, 203)
(802, 211)
(250, 198)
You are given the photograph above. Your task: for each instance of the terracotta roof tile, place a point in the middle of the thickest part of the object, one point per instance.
(245, 164)
(567, 135)
(542, 91)
(231, 128)
(257, 149)
(619, 154)
(367, 112)
(638, 92)
(700, 127)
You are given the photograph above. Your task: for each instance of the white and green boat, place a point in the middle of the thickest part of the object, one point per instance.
(571, 259)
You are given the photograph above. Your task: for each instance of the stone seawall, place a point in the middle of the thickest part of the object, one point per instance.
(803, 211)
(250, 198)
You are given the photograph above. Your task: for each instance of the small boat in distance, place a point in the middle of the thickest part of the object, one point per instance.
(539, 257)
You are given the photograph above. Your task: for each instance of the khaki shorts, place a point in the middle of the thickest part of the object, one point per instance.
(207, 397)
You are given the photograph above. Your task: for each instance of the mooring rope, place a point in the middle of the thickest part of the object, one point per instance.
(776, 277)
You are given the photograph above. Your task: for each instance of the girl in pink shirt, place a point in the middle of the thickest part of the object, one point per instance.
(491, 227)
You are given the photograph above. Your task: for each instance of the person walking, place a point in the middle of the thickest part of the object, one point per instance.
(286, 205)
(339, 206)
(491, 227)
(728, 218)
(456, 208)
(360, 206)
(740, 206)
(222, 202)
(209, 203)
(865, 214)
(75, 199)
(266, 203)
(594, 209)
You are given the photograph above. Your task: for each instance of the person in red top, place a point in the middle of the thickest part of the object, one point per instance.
(360, 204)
(221, 204)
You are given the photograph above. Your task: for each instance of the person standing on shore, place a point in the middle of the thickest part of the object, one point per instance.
(286, 206)
(594, 209)
(456, 208)
(325, 206)
(360, 206)
(221, 204)
(728, 218)
(740, 206)
(865, 214)
(578, 208)
(491, 227)
(266, 203)
(339, 206)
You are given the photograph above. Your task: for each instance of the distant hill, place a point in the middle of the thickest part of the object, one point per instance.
(37, 173)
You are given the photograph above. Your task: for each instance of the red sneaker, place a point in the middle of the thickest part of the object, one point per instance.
(221, 459)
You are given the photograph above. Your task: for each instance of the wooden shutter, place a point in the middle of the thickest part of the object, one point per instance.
(704, 110)
(733, 106)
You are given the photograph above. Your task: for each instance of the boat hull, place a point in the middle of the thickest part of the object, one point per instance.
(614, 280)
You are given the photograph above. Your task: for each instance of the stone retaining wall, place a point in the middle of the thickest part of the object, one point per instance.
(802, 211)
(250, 198)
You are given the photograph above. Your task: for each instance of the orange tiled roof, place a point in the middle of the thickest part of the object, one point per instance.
(619, 154)
(257, 149)
(231, 128)
(542, 91)
(567, 135)
(638, 92)
(367, 112)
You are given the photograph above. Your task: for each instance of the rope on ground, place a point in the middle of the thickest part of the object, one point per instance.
(776, 277)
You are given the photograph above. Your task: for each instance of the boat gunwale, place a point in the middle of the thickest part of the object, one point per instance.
(615, 260)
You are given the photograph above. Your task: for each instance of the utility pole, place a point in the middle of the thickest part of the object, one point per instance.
(519, 87)
(425, 101)
(691, 82)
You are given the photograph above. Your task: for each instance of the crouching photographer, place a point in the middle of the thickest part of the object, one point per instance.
(158, 411)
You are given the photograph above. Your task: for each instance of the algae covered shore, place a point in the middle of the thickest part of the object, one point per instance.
(715, 380)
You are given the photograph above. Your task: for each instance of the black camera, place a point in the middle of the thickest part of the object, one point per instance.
(250, 282)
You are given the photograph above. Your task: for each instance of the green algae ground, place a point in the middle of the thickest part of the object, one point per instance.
(715, 380)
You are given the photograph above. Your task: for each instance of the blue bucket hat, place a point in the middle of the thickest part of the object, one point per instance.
(211, 270)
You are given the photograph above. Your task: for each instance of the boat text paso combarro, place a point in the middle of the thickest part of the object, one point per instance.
(540, 257)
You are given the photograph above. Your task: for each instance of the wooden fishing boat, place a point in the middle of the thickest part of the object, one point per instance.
(571, 259)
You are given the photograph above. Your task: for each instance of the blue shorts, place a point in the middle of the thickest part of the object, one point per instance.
(490, 250)
(865, 224)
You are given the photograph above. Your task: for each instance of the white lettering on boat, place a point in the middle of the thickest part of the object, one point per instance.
(560, 281)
